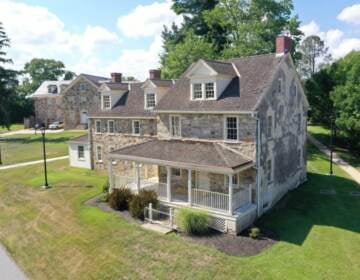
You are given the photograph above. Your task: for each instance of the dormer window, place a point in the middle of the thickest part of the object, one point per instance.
(52, 89)
(197, 91)
(209, 91)
(150, 101)
(203, 91)
(106, 102)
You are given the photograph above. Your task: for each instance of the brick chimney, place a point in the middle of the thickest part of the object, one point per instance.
(116, 77)
(284, 44)
(154, 74)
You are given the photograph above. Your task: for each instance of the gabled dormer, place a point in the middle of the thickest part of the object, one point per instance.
(208, 79)
(112, 91)
(154, 88)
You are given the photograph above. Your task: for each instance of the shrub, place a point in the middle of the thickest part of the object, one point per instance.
(104, 197)
(106, 187)
(193, 221)
(119, 199)
(140, 201)
(254, 232)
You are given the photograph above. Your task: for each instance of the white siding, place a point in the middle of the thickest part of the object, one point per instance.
(73, 155)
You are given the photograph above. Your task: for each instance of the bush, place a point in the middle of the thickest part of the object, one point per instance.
(106, 187)
(119, 199)
(193, 221)
(140, 201)
(254, 232)
(104, 197)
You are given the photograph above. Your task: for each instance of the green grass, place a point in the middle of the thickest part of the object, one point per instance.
(53, 235)
(28, 147)
(322, 134)
(13, 127)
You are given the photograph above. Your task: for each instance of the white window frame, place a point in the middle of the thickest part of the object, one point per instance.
(133, 127)
(146, 100)
(214, 90)
(203, 90)
(193, 91)
(83, 153)
(96, 127)
(235, 176)
(226, 129)
(99, 159)
(108, 128)
(171, 126)
(102, 102)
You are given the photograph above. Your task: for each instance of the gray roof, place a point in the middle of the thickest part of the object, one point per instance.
(240, 95)
(117, 86)
(221, 67)
(163, 83)
(201, 155)
(96, 79)
(83, 139)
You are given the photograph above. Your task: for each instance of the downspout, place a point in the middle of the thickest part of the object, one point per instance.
(254, 115)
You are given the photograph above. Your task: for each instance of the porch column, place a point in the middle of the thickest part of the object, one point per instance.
(189, 187)
(230, 193)
(111, 179)
(137, 176)
(168, 183)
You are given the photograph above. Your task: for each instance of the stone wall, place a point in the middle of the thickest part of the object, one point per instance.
(77, 101)
(48, 109)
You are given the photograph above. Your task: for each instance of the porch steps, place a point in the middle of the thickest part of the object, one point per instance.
(157, 227)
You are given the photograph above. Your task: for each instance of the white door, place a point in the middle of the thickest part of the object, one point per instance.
(83, 117)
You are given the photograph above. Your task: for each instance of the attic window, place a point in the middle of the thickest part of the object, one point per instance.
(82, 87)
(203, 91)
(52, 89)
(197, 91)
(150, 100)
(106, 102)
(209, 90)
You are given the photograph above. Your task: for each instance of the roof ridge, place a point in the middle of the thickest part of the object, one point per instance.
(250, 56)
(218, 61)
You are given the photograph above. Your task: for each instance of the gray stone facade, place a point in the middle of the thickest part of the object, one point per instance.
(48, 109)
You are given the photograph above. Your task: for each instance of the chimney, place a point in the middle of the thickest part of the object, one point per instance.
(155, 74)
(116, 77)
(284, 44)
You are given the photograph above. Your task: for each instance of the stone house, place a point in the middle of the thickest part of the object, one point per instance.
(228, 136)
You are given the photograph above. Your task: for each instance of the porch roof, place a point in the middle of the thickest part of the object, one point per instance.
(185, 154)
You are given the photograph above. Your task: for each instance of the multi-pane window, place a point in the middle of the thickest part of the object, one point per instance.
(269, 170)
(269, 126)
(231, 128)
(81, 154)
(98, 126)
(111, 127)
(150, 100)
(136, 127)
(175, 128)
(106, 102)
(197, 91)
(235, 180)
(209, 90)
(98, 153)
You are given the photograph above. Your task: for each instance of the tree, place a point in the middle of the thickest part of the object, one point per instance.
(314, 55)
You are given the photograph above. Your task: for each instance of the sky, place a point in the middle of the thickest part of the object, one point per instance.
(102, 36)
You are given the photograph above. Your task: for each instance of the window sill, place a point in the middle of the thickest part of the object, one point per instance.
(81, 159)
(231, 141)
(99, 161)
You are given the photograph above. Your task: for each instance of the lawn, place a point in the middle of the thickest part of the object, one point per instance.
(13, 127)
(322, 134)
(27, 147)
(53, 235)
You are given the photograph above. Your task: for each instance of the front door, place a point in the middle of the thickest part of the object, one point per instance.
(83, 117)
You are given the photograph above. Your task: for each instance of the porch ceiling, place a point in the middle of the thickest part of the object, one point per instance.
(185, 154)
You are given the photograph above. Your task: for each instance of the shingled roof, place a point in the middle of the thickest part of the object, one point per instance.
(177, 153)
(240, 95)
(96, 79)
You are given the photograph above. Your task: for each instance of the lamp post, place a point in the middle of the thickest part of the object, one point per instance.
(0, 157)
(42, 129)
(332, 140)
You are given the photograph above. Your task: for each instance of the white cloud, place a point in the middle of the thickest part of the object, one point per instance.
(148, 20)
(350, 14)
(337, 41)
(36, 32)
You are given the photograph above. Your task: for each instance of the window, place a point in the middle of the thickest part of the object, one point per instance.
(197, 91)
(52, 89)
(269, 126)
(99, 153)
(235, 180)
(175, 127)
(269, 170)
(176, 172)
(111, 127)
(150, 100)
(136, 127)
(209, 90)
(299, 122)
(231, 128)
(82, 87)
(98, 126)
(106, 102)
(279, 86)
(81, 154)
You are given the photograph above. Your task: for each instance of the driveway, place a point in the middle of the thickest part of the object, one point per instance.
(8, 268)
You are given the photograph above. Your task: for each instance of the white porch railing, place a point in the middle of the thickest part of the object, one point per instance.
(208, 199)
(241, 197)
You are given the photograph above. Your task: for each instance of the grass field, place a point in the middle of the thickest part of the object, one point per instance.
(53, 235)
(13, 127)
(28, 147)
(322, 134)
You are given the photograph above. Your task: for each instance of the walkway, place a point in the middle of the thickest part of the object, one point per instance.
(31, 163)
(8, 268)
(339, 161)
(30, 131)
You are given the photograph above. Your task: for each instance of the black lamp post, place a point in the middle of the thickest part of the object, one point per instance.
(332, 140)
(0, 157)
(42, 129)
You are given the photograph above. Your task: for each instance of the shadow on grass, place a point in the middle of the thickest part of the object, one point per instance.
(294, 216)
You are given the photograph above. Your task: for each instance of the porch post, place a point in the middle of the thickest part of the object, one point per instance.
(230, 194)
(189, 187)
(111, 179)
(137, 176)
(168, 183)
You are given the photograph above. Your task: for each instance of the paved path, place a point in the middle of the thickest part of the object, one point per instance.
(353, 172)
(30, 131)
(8, 268)
(31, 163)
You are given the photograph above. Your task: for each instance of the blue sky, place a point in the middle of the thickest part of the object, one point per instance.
(98, 37)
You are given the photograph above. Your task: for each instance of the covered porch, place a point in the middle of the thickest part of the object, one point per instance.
(182, 182)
